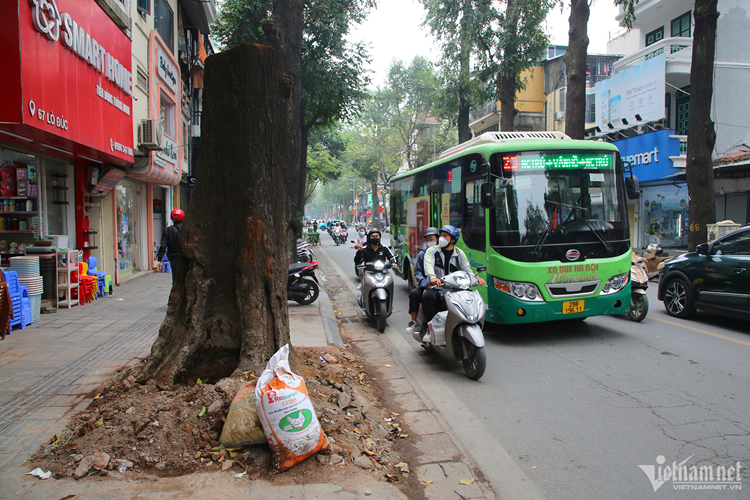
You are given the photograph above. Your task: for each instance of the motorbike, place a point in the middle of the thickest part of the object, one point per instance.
(376, 298)
(456, 333)
(342, 236)
(304, 251)
(302, 285)
(652, 255)
(638, 285)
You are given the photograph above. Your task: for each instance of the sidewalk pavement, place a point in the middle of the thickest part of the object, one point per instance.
(52, 369)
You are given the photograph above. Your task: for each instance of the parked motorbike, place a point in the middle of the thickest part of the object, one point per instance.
(456, 333)
(376, 297)
(304, 251)
(302, 285)
(638, 285)
(652, 255)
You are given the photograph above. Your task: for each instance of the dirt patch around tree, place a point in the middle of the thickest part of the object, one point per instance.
(147, 431)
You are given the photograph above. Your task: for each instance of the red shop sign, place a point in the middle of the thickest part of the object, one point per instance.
(69, 73)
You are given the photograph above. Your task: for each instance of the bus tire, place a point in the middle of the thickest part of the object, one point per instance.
(409, 276)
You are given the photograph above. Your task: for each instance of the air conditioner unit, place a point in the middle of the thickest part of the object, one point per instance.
(149, 135)
(559, 116)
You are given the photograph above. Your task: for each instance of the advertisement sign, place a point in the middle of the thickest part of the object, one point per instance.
(73, 76)
(649, 154)
(636, 91)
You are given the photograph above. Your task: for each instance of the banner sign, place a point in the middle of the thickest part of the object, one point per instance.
(636, 91)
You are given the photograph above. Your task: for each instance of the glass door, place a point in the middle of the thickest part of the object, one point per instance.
(128, 227)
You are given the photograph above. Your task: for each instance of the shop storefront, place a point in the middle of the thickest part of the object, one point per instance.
(660, 215)
(65, 120)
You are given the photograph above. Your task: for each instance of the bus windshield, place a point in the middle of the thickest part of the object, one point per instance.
(558, 198)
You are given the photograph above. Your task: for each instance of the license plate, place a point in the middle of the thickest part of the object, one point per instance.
(572, 307)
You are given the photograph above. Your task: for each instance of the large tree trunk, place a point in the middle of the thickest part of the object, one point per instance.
(575, 66)
(464, 101)
(228, 309)
(507, 83)
(701, 133)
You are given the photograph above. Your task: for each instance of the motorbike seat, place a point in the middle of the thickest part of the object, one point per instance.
(297, 267)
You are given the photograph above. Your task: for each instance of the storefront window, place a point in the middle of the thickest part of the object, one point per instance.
(665, 215)
(166, 115)
(56, 188)
(128, 206)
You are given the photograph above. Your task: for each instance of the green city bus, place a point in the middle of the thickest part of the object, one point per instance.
(545, 214)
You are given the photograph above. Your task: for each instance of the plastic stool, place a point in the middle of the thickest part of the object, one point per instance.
(165, 267)
(108, 285)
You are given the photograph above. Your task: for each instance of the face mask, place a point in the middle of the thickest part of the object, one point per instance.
(361, 233)
(429, 244)
(375, 241)
(443, 242)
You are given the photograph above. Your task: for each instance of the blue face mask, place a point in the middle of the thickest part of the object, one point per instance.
(361, 233)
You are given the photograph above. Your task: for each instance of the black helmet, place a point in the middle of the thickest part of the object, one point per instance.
(431, 231)
(373, 230)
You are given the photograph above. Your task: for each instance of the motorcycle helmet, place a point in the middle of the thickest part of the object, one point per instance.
(373, 231)
(177, 215)
(452, 231)
(431, 231)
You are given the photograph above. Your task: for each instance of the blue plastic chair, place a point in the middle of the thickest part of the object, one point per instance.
(101, 277)
(165, 266)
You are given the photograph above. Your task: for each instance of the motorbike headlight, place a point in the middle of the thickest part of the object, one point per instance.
(615, 284)
(528, 292)
(378, 265)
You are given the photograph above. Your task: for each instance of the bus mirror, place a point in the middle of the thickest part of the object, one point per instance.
(632, 188)
(488, 195)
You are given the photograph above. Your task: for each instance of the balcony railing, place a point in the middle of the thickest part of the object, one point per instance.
(676, 48)
(487, 109)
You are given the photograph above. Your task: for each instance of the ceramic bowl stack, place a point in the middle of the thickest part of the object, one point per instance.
(27, 268)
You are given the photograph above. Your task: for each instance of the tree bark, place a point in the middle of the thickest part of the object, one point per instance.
(464, 103)
(575, 66)
(701, 132)
(228, 310)
(507, 83)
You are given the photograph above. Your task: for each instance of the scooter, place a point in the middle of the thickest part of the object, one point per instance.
(456, 334)
(304, 251)
(377, 292)
(638, 285)
(302, 285)
(652, 255)
(343, 236)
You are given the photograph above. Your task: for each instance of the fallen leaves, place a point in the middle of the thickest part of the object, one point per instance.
(467, 481)
(202, 412)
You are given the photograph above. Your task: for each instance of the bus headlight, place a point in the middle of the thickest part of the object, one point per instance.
(527, 292)
(615, 284)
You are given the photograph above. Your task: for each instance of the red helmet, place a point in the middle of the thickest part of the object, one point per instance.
(177, 215)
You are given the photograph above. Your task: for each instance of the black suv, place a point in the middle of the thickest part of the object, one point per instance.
(714, 278)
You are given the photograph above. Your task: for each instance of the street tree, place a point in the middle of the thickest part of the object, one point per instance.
(575, 61)
(332, 74)
(228, 310)
(701, 132)
(510, 39)
(324, 159)
(452, 22)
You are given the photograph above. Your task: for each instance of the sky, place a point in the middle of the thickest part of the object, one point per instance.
(394, 32)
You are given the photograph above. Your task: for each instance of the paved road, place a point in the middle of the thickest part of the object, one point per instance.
(579, 407)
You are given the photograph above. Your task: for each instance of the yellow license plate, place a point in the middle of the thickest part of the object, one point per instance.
(572, 307)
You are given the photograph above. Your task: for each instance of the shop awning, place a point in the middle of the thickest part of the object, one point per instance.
(152, 170)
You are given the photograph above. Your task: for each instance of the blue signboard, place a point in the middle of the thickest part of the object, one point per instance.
(649, 154)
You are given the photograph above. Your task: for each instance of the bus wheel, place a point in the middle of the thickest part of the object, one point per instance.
(409, 276)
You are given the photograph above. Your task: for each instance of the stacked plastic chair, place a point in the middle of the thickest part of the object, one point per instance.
(19, 298)
(87, 285)
(104, 280)
(27, 269)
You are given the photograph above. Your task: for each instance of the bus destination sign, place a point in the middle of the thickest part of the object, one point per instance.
(558, 161)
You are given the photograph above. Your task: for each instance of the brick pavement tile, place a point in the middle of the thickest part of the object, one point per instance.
(42, 389)
(27, 428)
(11, 444)
(27, 402)
(64, 401)
(46, 413)
(409, 402)
(437, 448)
(13, 488)
(276, 492)
(421, 422)
(399, 386)
(80, 389)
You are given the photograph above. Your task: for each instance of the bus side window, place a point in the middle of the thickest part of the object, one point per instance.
(474, 229)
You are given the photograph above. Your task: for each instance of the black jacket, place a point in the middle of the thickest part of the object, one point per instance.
(367, 254)
(170, 243)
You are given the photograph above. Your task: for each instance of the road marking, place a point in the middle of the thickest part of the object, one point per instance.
(506, 478)
(705, 332)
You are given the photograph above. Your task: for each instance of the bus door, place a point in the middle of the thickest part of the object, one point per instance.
(474, 230)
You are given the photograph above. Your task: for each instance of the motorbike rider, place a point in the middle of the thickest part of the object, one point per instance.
(441, 260)
(430, 236)
(374, 251)
(361, 239)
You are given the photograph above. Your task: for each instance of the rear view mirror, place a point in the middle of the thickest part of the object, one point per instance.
(481, 269)
(702, 249)
(631, 187)
(488, 195)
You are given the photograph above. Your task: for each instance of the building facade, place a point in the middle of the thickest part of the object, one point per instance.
(96, 130)
(645, 107)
